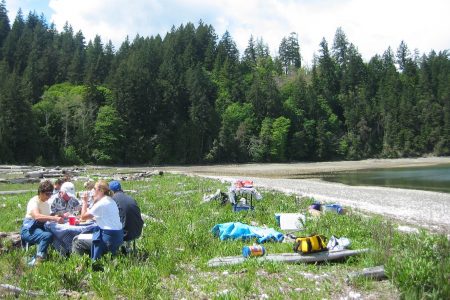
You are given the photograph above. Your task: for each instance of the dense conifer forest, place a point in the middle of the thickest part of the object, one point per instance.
(190, 97)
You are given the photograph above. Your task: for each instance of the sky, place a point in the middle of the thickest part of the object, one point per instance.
(371, 25)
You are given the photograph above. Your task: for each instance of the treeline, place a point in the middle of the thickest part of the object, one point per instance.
(190, 97)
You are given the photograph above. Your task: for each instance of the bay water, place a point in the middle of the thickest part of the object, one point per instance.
(430, 178)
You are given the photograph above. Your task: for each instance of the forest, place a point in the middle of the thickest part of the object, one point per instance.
(190, 97)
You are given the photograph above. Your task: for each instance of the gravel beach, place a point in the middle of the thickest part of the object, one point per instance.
(430, 210)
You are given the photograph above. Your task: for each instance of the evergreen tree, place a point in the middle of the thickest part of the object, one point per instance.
(227, 74)
(17, 126)
(250, 53)
(289, 51)
(65, 45)
(264, 95)
(4, 25)
(202, 114)
(138, 100)
(388, 95)
(205, 41)
(40, 67)
(76, 70)
(96, 69)
(403, 56)
(327, 83)
(10, 45)
(340, 47)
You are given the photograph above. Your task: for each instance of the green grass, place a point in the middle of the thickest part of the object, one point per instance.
(177, 243)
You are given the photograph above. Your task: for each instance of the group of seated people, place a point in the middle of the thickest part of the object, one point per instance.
(116, 214)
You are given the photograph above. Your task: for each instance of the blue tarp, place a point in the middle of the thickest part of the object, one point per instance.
(237, 230)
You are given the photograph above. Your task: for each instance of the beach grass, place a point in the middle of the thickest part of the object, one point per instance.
(177, 243)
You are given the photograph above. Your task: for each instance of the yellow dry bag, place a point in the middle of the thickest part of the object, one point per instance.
(310, 244)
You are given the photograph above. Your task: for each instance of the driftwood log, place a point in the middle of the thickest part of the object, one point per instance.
(21, 180)
(373, 273)
(9, 239)
(53, 173)
(16, 192)
(288, 257)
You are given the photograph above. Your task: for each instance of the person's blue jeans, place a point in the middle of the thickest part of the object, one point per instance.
(105, 241)
(37, 236)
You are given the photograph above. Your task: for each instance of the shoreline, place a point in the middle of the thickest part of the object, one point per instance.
(425, 209)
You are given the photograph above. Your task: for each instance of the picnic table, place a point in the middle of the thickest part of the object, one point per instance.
(63, 234)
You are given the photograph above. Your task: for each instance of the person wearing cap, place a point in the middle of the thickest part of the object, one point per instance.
(65, 201)
(109, 235)
(130, 217)
(38, 212)
(129, 211)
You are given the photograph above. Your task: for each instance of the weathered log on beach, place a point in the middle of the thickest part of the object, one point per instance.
(53, 173)
(23, 180)
(16, 192)
(14, 168)
(137, 175)
(45, 173)
(35, 174)
(374, 273)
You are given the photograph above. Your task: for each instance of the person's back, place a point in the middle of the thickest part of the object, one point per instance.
(130, 215)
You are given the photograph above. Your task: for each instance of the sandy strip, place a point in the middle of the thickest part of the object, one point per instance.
(290, 170)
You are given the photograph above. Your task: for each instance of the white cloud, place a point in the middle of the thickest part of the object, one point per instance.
(372, 25)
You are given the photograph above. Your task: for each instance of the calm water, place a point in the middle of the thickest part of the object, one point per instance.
(433, 178)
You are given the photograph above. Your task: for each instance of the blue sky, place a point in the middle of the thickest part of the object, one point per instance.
(371, 25)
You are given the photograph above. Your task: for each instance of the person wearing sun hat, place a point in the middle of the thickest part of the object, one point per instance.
(38, 212)
(65, 200)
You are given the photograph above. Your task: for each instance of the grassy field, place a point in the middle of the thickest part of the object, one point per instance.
(177, 243)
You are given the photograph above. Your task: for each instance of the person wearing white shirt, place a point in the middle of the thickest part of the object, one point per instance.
(109, 236)
(38, 212)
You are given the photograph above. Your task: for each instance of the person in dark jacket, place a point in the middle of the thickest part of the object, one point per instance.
(129, 212)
